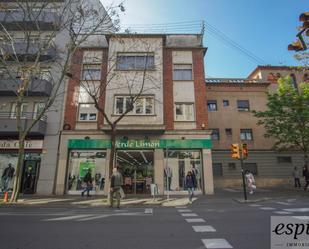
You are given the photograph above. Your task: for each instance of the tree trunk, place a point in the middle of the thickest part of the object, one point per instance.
(18, 172)
(113, 149)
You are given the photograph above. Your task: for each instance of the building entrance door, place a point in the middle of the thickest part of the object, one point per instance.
(30, 176)
(137, 168)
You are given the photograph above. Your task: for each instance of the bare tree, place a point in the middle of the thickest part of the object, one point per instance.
(38, 39)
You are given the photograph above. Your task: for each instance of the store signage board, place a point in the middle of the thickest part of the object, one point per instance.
(141, 144)
(14, 144)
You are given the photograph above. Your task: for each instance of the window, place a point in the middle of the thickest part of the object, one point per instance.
(182, 72)
(38, 108)
(284, 159)
(217, 169)
(45, 75)
(135, 61)
(86, 88)
(91, 72)
(243, 105)
(215, 135)
(144, 105)
(92, 57)
(184, 112)
(24, 107)
(246, 134)
(232, 166)
(228, 132)
(226, 103)
(87, 112)
(252, 167)
(212, 105)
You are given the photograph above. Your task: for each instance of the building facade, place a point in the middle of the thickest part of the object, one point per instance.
(165, 134)
(230, 102)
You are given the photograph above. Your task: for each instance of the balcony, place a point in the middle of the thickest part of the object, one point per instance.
(15, 20)
(37, 87)
(25, 51)
(8, 124)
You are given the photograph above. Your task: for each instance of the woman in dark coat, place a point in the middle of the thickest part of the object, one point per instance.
(190, 184)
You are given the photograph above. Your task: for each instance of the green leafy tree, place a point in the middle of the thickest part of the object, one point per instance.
(287, 116)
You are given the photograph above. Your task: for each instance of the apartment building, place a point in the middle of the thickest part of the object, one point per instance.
(230, 102)
(161, 138)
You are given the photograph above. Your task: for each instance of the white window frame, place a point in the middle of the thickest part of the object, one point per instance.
(92, 57)
(134, 66)
(244, 134)
(88, 114)
(86, 68)
(36, 106)
(13, 110)
(182, 67)
(183, 117)
(133, 112)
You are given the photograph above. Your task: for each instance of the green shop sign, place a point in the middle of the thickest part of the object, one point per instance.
(141, 144)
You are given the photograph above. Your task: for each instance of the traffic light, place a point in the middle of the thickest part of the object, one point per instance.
(244, 151)
(235, 151)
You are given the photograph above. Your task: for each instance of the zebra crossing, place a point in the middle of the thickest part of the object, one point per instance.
(198, 225)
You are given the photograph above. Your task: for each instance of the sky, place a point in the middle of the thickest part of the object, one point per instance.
(263, 28)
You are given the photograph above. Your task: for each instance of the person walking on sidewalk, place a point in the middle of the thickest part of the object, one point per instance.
(88, 182)
(306, 176)
(296, 176)
(250, 181)
(115, 187)
(190, 184)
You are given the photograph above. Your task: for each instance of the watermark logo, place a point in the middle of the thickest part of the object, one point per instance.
(289, 232)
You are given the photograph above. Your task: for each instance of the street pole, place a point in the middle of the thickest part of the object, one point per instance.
(166, 165)
(243, 177)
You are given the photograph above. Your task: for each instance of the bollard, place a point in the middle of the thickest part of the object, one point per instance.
(6, 197)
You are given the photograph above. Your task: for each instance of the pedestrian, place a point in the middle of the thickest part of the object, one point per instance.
(296, 176)
(88, 183)
(190, 185)
(306, 176)
(250, 181)
(115, 187)
(7, 177)
(194, 175)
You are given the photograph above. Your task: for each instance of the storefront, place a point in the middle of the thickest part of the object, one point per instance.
(142, 162)
(30, 169)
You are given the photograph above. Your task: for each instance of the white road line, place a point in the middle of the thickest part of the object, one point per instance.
(189, 215)
(255, 205)
(216, 243)
(283, 203)
(282, 212)
(297, 209)
(95, 217)
(69, 217)
(184, 210)
(202, 229)
(181, 207)
(148, 211)
(267, 208)
(231, 190)
(291, 200)
(195, 220)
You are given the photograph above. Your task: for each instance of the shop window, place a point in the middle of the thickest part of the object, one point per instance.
(226, 103)
(143, 105)
(228, 132)
(215, 135)
(132, 61)
(176, 166)
(212, 105)
(92, 57)
(87, 112)
(246, 134)
(243, 105)
(284, 159)
(82, 161)
(182, 72)
(184, 112)
(232, 166)
(91, 72)
(252, 167)
(217, 169)
(24, 113)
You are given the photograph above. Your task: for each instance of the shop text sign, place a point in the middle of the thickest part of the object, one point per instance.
(135, 144)
(13, 144)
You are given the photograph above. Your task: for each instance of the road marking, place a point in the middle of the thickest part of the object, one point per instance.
(216, 243)
(202, 229)
(184, 210)
(267, 208)
(231, 190)
(291, 200)
(148, 211)
(195, 220)
(282, 212)
(255, 205)
(69, 217)
(297, 210)
(189, 215)
(283, 203)
(181, 207)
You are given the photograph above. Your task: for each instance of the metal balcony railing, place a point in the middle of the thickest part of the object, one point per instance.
(232, 80)
(25, 115)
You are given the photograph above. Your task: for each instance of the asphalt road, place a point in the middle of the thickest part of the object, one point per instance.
(230, 223)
